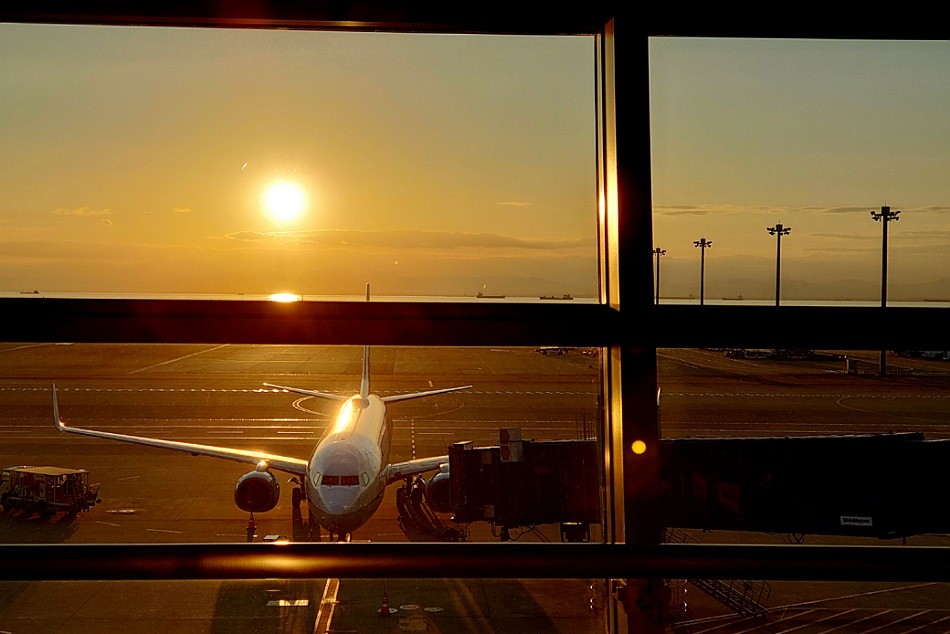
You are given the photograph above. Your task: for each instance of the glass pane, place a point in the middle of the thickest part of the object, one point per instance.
(245, 162)
(780, 447)
(757, 136)
(512, 454)
(307, 606)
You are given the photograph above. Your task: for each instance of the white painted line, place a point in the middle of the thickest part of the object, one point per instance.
(851, 625)
(328, 605)
(931, 624)
(892, 623)
(193, 354)
(160, 530)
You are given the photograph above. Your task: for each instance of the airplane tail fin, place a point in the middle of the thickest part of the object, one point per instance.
(364, 381)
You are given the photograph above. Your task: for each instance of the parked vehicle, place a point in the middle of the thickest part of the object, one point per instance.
(47, 490)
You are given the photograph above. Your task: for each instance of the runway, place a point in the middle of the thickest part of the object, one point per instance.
(214, 395)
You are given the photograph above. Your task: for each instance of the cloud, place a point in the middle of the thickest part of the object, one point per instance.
(935, 209)
(844, 210)
(689, 210)
(106, 221)
(410, 239)
(514, 203)
(709, 209)
(181, 210)
(83, 212)
(845, 236)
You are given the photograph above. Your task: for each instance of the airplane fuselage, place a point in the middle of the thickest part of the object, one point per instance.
(347, 471)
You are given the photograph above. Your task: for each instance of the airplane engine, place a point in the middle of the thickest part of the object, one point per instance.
(257, 491)
(439, 491)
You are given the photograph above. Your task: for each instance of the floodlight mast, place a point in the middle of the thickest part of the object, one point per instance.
(778, 231)
(657, 252)
(884, 216)
(703, 244)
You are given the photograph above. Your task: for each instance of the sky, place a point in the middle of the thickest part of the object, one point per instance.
(139, 160)
(812, 134)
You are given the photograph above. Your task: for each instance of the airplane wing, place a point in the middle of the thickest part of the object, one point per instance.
(405, 397)
(326, 395)
(400, 470)
(295, 466)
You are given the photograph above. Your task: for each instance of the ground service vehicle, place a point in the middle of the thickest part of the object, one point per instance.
(47, 490)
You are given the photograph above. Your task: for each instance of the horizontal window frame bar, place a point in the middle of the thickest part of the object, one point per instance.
(469, 324)
(86, 562)
(800, 327)
(324, 323)
(484, 17)
(499, 18)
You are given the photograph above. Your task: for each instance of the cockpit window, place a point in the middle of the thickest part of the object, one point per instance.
(340, 480)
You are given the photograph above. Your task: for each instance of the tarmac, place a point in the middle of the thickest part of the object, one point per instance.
(213, 394)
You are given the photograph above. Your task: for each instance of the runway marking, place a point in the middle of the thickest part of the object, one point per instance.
(328, 605)
(931, 624)
(160, 530)
(892, 623)
(853, 623)
(861, 594)
(26, 347)
(176, 390)
(108, 523)
(784, 616)
(193, 354)
(744, 395)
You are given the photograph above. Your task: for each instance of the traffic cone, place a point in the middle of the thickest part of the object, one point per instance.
(385, 610)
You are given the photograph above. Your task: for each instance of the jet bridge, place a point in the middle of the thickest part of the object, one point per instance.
(521, 484)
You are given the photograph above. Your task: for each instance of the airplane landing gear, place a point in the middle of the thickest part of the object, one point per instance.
(251, 528)
(313, 526)
(299, 529)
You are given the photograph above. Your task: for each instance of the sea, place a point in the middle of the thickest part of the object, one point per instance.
(679, 301)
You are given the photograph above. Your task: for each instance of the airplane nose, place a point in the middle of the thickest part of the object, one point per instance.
(339, 500)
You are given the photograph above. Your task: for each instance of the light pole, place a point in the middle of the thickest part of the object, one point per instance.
(703, 244)
(884, 216)
(658, 252)
(778, 231)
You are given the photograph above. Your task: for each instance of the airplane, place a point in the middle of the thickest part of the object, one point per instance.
(346, 475)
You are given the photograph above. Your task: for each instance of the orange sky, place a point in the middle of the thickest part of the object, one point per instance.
(135, 160)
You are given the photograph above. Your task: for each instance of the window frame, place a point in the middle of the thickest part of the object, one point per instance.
(625, 323)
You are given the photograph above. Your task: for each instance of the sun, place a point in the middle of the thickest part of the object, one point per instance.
(284, 201)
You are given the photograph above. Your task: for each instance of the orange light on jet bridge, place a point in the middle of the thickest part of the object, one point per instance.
(639, 447)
